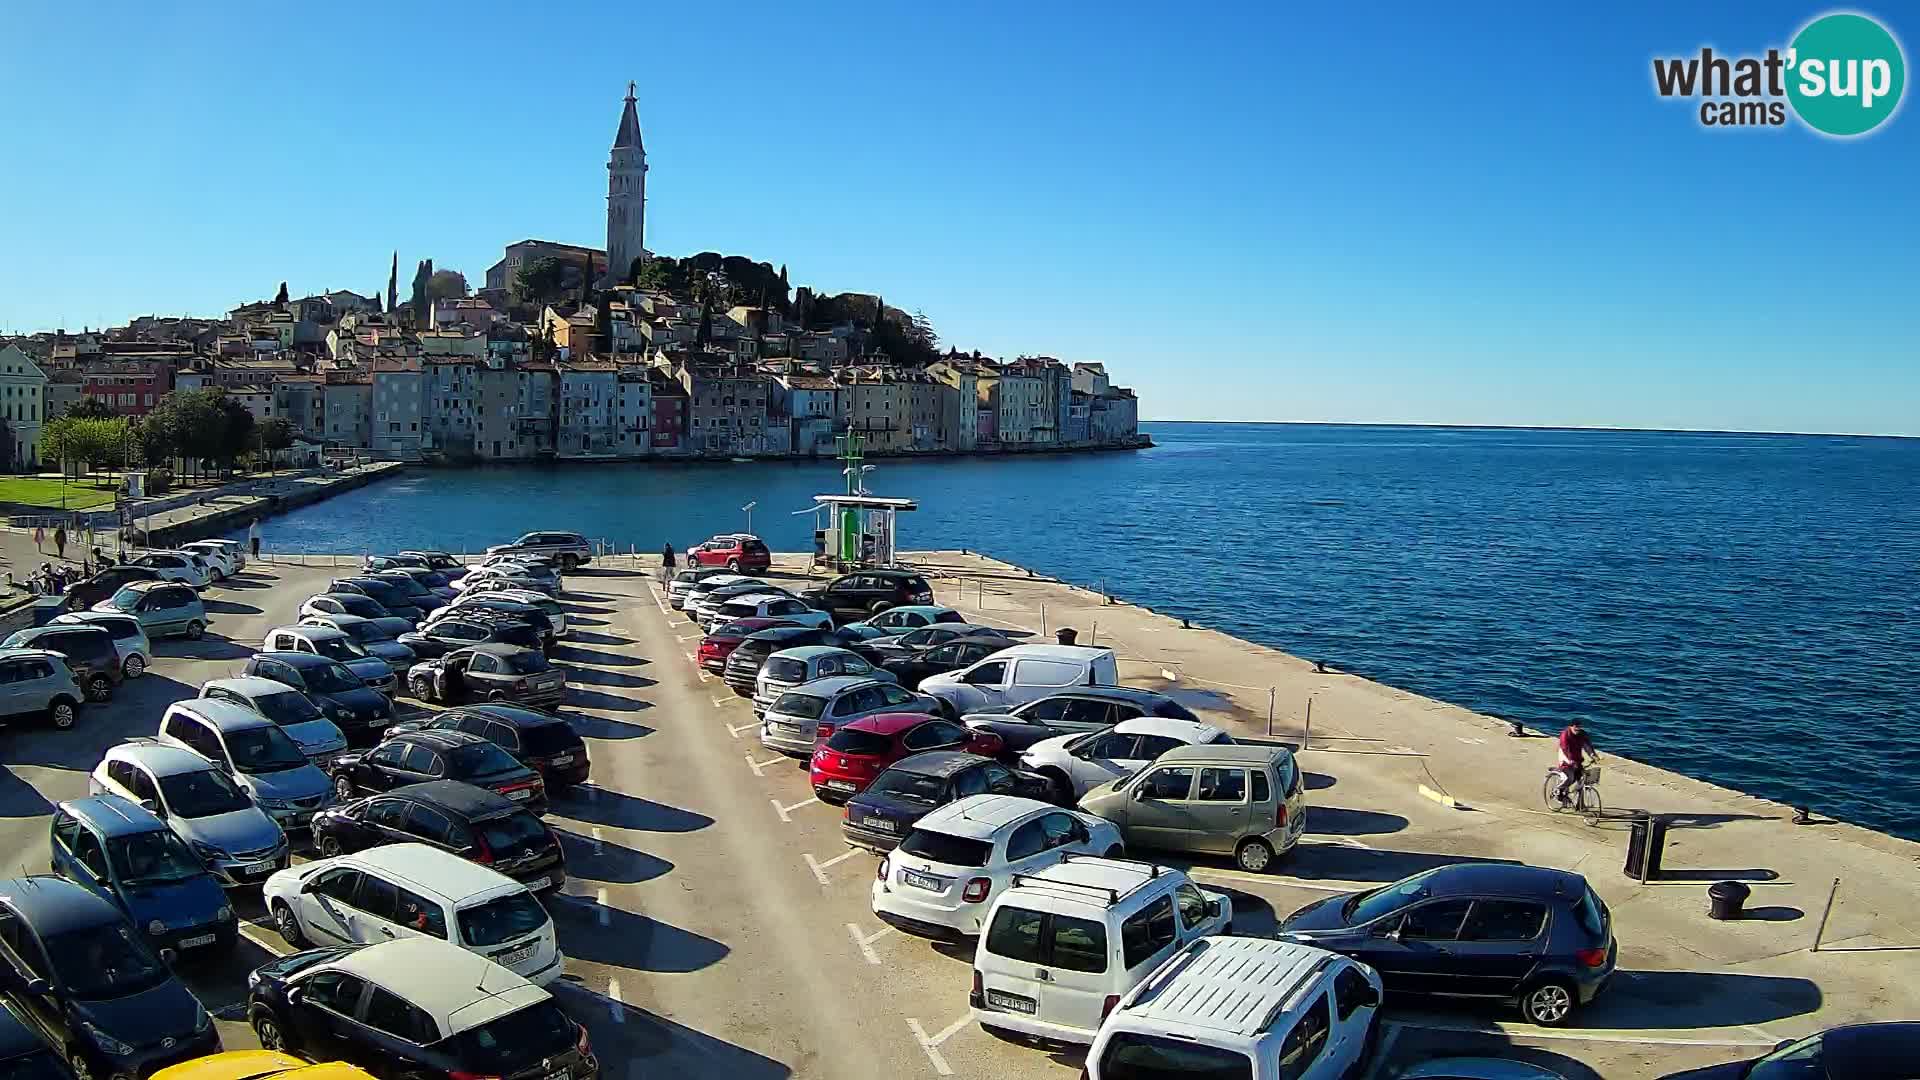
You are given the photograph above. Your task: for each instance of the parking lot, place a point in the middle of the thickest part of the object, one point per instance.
(715, 922)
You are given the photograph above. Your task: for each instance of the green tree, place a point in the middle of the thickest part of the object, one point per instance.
(6, 445)
(280, 298)
(56, 440)
(91, 408)
(153, 435)
(418, 299)
(273, 435)
(445, 285)
(235, 431)
(541, 280)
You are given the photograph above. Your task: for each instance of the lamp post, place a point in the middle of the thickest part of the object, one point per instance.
(749, 509)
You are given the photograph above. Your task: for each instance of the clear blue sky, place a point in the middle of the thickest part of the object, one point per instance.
(1346, 212)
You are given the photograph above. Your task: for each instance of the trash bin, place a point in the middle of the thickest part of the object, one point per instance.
(1646, 838)
(1726, 897)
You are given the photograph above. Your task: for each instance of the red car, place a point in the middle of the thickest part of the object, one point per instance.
(739, 552)
(717, 646)
(853, 755)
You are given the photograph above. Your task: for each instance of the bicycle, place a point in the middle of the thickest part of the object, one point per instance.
(1584, 798)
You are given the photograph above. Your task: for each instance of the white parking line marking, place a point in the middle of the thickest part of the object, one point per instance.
(270, 942)
(756, 766)
(615, 1005)
(660, 601)
(606, 913)
(1205, 873)
(865, 943)
(932, 1046)
(820, 868)
(598, 840)
(785, 811)
(735, 729)
(723, 702)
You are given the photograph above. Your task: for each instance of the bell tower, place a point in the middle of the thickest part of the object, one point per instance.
(626, 194)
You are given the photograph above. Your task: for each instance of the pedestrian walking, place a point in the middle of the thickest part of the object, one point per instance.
(253, 537)
(666, 556)
(60, 540)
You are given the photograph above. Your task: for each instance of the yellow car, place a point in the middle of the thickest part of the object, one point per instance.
(258, 1065)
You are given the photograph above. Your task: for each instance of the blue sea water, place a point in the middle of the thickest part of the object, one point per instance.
(1744, 608)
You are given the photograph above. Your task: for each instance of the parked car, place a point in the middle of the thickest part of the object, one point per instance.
(86, 594)
(1498, 931)
(412, 890)
(803, 717)
(1849, 1052)
(504, 578)
(1021, 673)
(1078, 764)
(25, 1053)
(869, 592)
(334, 644)
(434, 581)
(389, 596)
(164, 608)
(259, 1065)
(460, 629)
(264, 760)
(697, 590)
(476, 824)
(895, 801)
(1065, 944)
(492, 672)
(684, 581)
(1246, 801)
(236, 840)
(234, 550)
(358, 710)
(37, 684)
(424, 599)
(127, 855)
(74, 966)
(541, 741)
(1477, 1068)
(546, 614)
(898, 620)
(768, 606)
(718, 644)
(702, 608)
(567, 549)
(219, 559)
(317, 737)
(394, 562)
(848, 759)
(88, 650)
(903, 644)
(954, 655)
(130, 642)
(416, 1007)
(1078, 711)
(1247, 1007)
(378, 637)
(735, 551)
(345, 603)
(939, 882)
(419, 756)
(769, 664)
(181, 566)
(441, 561)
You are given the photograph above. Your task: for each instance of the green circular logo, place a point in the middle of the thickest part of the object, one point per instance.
(1845, 74)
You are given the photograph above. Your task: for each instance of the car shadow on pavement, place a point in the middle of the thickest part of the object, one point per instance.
(1340, 821)
(656, 1046)
(589, 609)
(1414, 1044)
(1318, 781)
(596, 677)
(579, 620)
(598, 727)
(1341, 862)
(207, 648)
(600, 806)
(135, 710)
(599, 934)
(1698, 999)
(573, 654)
(591, 637)
(605, 861)
(580, 697)
(228, 607)
(19, 799)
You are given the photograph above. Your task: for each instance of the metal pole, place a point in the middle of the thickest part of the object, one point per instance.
(1043, 618)
(1307, 734)
(1821, 932)
(1272, 696)
(1094, 638)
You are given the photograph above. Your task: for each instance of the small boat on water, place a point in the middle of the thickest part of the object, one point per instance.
(742, 460)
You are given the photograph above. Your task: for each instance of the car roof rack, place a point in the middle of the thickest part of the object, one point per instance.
(1112, 895)
(1304, 983)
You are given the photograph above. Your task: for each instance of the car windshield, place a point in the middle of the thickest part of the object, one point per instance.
(786, 669)
(126, 599)
(734, 629)
(332, 678)
(1135, 1056)
(525, 663)
(104, 962)
(499, 1047)
(407, 584)
(918, 787)
(852, 741)
(804, 706)
(263, 750)
(1385, 900)
(201, 794)
(1801, 1061)
(501, 920)
(511, 833)
(549, 739)
(364, 606)
(336, 648)
(946, 848)
(290, 707)
(479, 759)
(152, 858)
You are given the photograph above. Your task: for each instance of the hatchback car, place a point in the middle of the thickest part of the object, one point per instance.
(85, 594)
(442, 561)
(184, 567)
(736, 552)
(25, 1053)
(952, 655)
(546, 614)
(683, 582)
(762, 605)
(419, 756)
(345, 603)
(264, 760)
(1496, 931)
(718, 644)
(506, 577)
(237, 841)
(379, 637)
(454, 816)
(334, 644)
(567, 550)
(417, 593)
(385, 593)
(1884, 1051)
(702, 608)
(164, 608)
(1246, 801)
(855, 753)
(1078, 711)
(126, 854)
(130, 642)
(260, 1065)
(538, 740)
(1079, 763)
(495, 672)
(870, 592)
(317, 737)
(898, 620)
(944, 875)
(89, 651)
(902, 644)
(75, 966)
(358, 710)
(783, 665)
(218, 558)
(36, 684)
(803, 717)
(459, 628)
(896, 800)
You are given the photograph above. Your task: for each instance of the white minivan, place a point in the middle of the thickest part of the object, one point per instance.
(1244, 1007)
(1065, 944)
(1020, 674)
(413, 890)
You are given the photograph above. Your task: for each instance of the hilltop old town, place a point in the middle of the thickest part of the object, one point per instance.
(570, 352)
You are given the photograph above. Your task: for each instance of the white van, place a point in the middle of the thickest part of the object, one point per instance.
(1243, 1007)
(1063, 945)
(413, 890)
(1021, 674)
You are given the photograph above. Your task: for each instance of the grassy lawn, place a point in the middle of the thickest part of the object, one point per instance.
(44, 492)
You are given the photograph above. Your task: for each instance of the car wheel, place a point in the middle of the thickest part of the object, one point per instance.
(423, 690)
(496, 695)
(878, 607)
(733, 566)
(568, 564)
(1253, 856)
(62, 713)
(288, 926)
(99, 688)
(329, 846)
(266, 1028)
(195, 629)
(135, 666)
(343, 787)
(1548, 1004)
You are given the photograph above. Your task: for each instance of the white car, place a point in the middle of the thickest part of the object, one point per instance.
(939, 882)
(1079, 763)
(415, 890)
(129, 638)
(701, 608)
(769, 606)
(219, 558)
(1017, 675)
(691, 592)
(496, 579)
(186, 567)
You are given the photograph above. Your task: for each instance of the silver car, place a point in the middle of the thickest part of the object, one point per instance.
(799, 718)
(252, 749)
(790, 668)
(334, 644)
(566, 549)
(380, 637)
(317, 737)
(237, 841)
(37, 683)
(129, 638)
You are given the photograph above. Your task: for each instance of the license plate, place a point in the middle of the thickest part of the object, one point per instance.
(193, 942)
(778, 726)
(563, 759)
(922, 881)
(516, 956)
(258, 867)
(523, 793)
(1010, 1002)
(840, 785)
(880, 824)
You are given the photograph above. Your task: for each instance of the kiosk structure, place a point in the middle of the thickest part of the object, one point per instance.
(861, 527)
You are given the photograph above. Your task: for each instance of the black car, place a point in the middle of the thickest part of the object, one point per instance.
(453, 568)
(460, 628)
(475, 603)
(921, 638)
(538, 740)
(494, 672)
(1081, 709)
(416, 591)
(869, 592)
(740, 671)
(78, 970)
(419, 756)
(1498, 931)
(358, 710)
(877, 818)
(84, 594)
(417, 1007)
(24, 1055)
(383, 592)
(473, 823)
(88, 649)
(1854, 1052)
(948, 656)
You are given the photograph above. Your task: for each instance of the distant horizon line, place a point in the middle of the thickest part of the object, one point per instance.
(1539, 427)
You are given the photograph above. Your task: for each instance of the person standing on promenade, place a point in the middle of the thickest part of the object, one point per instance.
(253, 537)
(666, 556)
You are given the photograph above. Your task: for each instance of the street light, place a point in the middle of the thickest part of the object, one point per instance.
(749, 509)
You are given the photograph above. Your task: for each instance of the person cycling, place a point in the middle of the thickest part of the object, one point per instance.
(1576, 749)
